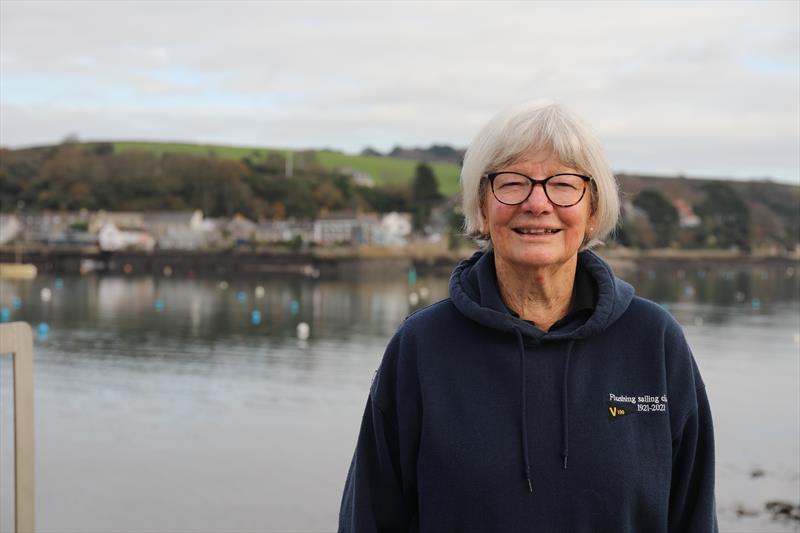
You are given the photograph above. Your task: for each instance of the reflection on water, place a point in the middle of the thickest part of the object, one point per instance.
(162, 404)
(206, 309)
(720, 288)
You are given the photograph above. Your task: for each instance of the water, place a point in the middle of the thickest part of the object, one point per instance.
(161, 405)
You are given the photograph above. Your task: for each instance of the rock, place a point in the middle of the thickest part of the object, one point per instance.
(741, 511)
(783, 510)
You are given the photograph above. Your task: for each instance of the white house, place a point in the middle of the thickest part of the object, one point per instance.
(184, 230)
(395, 228)
(345, 228)
(241, 229)
(9, 228)
(172, 230)
(112, 239)
(284, 231)
(688, 218)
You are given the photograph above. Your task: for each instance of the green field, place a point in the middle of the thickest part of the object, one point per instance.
(390, 170)
(383, 170)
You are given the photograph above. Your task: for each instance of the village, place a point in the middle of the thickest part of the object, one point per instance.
(191, 230)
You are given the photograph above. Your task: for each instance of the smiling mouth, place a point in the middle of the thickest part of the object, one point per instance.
(524, 231)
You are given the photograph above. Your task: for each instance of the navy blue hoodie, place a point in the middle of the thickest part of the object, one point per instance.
(479, 421)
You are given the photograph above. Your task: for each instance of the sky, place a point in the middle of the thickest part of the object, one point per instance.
(695, 88)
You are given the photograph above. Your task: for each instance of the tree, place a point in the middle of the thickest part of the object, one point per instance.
(60, 172)
(726, 217)
(424, 195)
(328, 196)
(102, 148)
(455, 231)
(662, 215)
(384, 199)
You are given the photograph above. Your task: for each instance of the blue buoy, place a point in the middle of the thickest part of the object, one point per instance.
(42, 329)
(16, 302)
(242, 297)
(158, 305)
(756, 303)
(294, 307)
(59, 284)
(412, 276)
(255, 317)
(5, 314)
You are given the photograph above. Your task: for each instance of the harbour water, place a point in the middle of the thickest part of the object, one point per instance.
(169, 405)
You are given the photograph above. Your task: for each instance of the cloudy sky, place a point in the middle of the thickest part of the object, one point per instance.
(705, 89)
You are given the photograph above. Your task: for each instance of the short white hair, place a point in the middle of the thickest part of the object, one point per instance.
(532, 128)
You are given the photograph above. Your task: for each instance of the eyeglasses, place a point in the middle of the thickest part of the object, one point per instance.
(563, 190)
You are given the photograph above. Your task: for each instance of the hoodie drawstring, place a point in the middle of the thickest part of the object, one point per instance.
(564, 405)
(526, 456)
(564, 408)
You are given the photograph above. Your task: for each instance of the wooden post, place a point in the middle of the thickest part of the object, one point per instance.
(17, 339)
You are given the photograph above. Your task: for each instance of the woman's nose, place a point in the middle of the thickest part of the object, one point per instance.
(538, 202)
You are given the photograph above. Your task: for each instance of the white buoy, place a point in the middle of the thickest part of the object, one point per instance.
(223, 285)
(46, 294)
(260, 292)
(167, 271)
(413, 298)
(303, 331)
(424, 293)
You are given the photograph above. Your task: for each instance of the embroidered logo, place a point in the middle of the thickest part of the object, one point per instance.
(620, 405)
(615, 411)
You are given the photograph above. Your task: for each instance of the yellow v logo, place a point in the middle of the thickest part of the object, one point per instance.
(615, 411)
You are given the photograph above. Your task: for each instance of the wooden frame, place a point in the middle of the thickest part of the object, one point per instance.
(17, 339)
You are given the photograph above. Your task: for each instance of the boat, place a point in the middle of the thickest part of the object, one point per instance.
(17, 271)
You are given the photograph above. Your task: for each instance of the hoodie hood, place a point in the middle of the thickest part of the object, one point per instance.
(474, 292)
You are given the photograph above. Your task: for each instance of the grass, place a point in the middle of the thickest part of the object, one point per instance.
(221, 151)
(385, 171)
(391, 171)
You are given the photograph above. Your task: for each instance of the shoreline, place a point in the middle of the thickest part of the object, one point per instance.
(343, 263)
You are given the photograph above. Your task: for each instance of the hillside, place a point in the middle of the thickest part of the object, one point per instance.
(702, 213)
(384, 171)
(659, 212)
(755, 214)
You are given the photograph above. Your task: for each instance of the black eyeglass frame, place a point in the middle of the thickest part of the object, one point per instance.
(586, 179)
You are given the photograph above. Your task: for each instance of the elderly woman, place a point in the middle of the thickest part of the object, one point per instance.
(542, 395)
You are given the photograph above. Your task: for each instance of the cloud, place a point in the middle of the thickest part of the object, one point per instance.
(693, 87)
